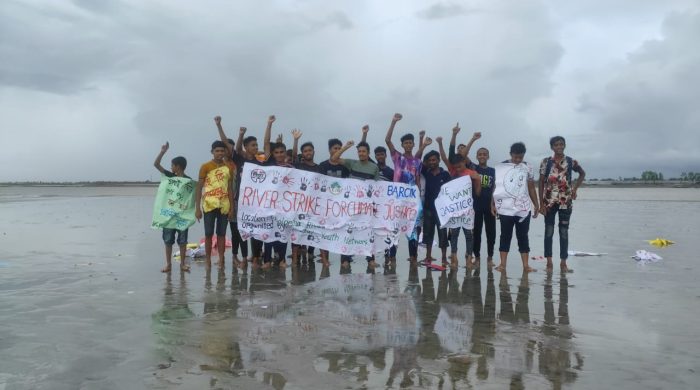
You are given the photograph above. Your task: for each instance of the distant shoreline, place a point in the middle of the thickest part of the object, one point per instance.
(596, 184)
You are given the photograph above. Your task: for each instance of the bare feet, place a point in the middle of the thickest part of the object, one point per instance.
(489, 262)
(529, 269)
(184, 268)
(166, 269)
(372, 264)
(565, 269)
(267, 265)
(501, 268)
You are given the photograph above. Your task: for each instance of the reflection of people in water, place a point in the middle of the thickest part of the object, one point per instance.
(555, 350)
(169, 322)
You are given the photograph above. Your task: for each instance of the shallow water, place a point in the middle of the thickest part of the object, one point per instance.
(83, 305)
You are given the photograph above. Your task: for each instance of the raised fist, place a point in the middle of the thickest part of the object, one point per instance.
(397, 117)
(421, 133)
(271, 119)
(349, 144)
(165, 147)
(438, 139)
(217, 120)
(476, 135)
(365, 129)
(242, 130)
(456, 129)
(427, 141)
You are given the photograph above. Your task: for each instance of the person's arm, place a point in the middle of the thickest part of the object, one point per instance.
(231, 192)
(296, 134)
(443, 156)
(389, 133)
(421, 139)
(266, 138)
(335, 158)
(494, 212)
(475, 137)
(476, 183)
(239, 144)
(222, 136)
(365, 130)
(424, 143)
(198, 199)
(579, 181)
(541, 182)
(156, 163)
(453, 140)
(533, 197)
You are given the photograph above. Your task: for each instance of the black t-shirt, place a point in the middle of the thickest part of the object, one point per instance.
(488, 179)
(433, 184)
(386, 173)
(306, 167)
(328, 169)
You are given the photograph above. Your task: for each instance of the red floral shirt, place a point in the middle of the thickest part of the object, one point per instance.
(557, 188)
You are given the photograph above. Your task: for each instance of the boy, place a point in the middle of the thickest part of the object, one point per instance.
(557, 194)
(178, 165)
(407, 167)
(335, 170)
(457, 167)
(361, 169)
(385, 174)
(304, 162)
(236, 239)
(216, 179)
(278, 158)
(521, 224)
(435, 177)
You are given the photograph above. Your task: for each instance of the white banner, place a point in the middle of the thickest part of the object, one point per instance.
(347, 216)
(511, 191)
(455, 205)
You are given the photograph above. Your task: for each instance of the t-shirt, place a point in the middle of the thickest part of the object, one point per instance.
(217, 181)
(530, 173)
(362, 170)
(328, 169)
(557, 188)
(488, 178)
(306, 167)
(432, 186)
(406, 169)
(386, 173)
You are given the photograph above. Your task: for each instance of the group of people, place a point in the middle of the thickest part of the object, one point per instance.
(218, 187)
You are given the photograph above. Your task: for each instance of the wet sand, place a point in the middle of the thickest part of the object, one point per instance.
(83, 305)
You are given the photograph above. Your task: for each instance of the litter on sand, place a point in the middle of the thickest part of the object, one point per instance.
(644, 257)
(660, 242)
(583, 254)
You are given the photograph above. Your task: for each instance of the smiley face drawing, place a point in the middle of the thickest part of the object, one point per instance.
(515, 181)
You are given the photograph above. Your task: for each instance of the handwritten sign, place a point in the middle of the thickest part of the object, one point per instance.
(174, 205)
(347, 216)
(455, 205)
(511, 194)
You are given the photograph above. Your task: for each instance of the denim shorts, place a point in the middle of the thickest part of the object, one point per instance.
(169, 236)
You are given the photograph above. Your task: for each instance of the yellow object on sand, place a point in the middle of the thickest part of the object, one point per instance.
(661, 242)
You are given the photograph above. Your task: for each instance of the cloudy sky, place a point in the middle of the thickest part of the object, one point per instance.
(89, 90)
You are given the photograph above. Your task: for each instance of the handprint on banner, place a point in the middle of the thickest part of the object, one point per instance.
(378, 191)
(347, 192)
(351, 226)
(288, 180)
(316, 184)
(360, 191)
(275, 177)
(303, 183)
(369, 190)
(323, 185)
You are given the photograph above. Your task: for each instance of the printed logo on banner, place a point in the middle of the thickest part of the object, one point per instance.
(336, 188)
(257, 175)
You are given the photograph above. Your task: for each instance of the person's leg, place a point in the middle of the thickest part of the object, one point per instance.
(442, 242)
(469, 247)
(428, 233)
(209, 223)
(221, 226)
(478, 222)
(522, 229)
(564, 220)
(490, 223)
(168, 241)
(454, 239)
(235, 241)
(324, 257)
(549, 234)
(281, 249)
(507, 223)
(182, 242)
(345, 261)
(267, 255)
(256, 248)
(413, 249)
(296, 249)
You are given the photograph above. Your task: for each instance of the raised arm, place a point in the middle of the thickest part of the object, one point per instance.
(365, 130)
(266, 138)
(443, 156)
(453, 140)
(475, 137)
(335, 158)
(389, 133)
(421, 138)
(222, 136)
(156, 163)
(296, 134)
(424, 142)
(239, 144)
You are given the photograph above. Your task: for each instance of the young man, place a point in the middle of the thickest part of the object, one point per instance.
(277, 158)
(482, 203)
(334, 170)
(247, 152)
(385, 174)
(407, 167)
(236, 239)
(522, 225)
(557, 194)
(216, 179)
(305, 162)
(178, 165)
(457, 167)
(361, 169)
(435, 177)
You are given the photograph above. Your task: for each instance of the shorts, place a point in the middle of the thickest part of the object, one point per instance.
(169, 236)
(215, 221)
